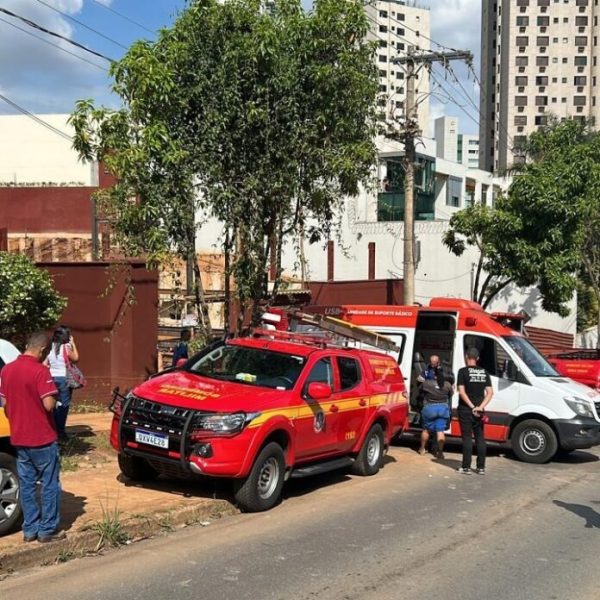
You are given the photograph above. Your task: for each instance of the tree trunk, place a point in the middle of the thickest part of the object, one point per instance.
(201, 305)
(495, 290)
(227, 282)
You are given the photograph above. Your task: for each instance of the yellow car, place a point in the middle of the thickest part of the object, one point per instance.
(10, 508)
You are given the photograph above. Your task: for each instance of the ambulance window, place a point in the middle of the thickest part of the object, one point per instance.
(321, 373)
(349, 372)
(487, 355)
(2, 363)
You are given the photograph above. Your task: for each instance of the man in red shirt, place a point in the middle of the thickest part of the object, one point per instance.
(28, 395)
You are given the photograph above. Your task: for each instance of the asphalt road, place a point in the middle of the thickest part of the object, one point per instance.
(416, 530)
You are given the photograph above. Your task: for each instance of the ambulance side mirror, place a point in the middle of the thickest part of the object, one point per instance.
(318, 391)
(181, 362)
(511, 372)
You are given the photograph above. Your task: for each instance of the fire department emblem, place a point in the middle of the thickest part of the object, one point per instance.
(319, 421)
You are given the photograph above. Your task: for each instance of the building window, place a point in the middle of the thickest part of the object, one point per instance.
(580, 40)
(579, 81)
(454, 191)
(542, 40)
(579, 100)
(521, 81)
(383, 14)
(541, 61)
(521, 61)
(382, 58)
(543, 21)
(541, 100)
(383, 28)
(581, 61)
(521, 100)
(523, 40)
(522, 21)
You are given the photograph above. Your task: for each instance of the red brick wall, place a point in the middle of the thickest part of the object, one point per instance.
(117, 343)
(46, 209)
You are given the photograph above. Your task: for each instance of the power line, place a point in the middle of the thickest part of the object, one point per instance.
(132, 21)
(431, 74)
(36, 118)
(71, 18)
(54, 34)
(37, 37)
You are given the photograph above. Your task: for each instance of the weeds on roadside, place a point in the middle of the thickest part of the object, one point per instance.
(68, 463)
(110, 528)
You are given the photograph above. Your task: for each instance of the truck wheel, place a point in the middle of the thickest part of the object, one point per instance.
(370, 457)
(534, 441)
(136, 468)
(10, 508)
(261, 490)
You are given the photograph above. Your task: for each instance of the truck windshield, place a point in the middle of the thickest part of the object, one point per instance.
(531, 356)
(251, 366)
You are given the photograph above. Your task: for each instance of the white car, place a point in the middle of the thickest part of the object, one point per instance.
(10, 509)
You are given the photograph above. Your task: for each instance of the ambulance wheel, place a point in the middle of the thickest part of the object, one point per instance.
(261, 490)
(10, 508)
(369, 459)
(534, 441)
(136, 468)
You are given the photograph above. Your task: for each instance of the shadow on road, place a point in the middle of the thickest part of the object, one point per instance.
(592, 518)
(214, 489)
(72, 507)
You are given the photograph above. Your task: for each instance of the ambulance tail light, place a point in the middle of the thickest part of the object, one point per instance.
(470, 321)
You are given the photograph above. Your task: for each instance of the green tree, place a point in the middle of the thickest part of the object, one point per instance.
(264, 120)
(538, 234)
(29, 300)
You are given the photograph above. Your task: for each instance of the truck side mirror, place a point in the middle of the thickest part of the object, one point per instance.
(511, 372)
(318, 391)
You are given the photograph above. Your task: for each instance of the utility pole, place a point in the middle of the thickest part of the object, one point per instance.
(414, 61)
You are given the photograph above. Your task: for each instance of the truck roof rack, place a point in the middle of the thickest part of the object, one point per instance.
(345, 330)
(319, 330)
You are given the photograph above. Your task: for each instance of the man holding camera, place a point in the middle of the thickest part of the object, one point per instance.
(475, 393)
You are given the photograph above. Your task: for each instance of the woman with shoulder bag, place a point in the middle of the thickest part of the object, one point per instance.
(62, 352)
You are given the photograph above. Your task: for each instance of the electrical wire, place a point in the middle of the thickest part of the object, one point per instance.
(71, 18)
(453, 100)
(38, 37)
(125, 17)
(36, 118)
(54, 34)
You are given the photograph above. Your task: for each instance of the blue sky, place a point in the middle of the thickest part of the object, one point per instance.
(45, 79)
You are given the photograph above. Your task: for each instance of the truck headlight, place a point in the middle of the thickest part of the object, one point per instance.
(579, 406)
(224, 423)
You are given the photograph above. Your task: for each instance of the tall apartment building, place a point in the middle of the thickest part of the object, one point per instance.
(396, 25)
(455, 146)
(538, 58)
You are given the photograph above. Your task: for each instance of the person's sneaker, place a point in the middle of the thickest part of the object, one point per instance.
(439, 455)
(422, 451)
(463, 471)
(55, 537)
(30, 538)
(480, 471)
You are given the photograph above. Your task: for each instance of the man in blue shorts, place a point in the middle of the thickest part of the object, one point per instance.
(436, 412)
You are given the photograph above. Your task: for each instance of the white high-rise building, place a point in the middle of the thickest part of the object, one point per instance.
(396, 25)
(538, 58)
(455, 146)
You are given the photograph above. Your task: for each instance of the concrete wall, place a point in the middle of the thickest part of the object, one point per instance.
(117, 342)
(31, 153)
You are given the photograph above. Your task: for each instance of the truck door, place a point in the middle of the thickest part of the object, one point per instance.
(317, 427)
(507, 393)
(353, 401)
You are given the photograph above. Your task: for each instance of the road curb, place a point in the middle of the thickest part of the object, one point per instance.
(85, 541)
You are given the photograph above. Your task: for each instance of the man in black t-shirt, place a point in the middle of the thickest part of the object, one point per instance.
(475, 392)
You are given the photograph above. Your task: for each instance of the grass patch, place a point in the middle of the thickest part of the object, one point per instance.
(81, 408)
(68, 463)
(110, 528)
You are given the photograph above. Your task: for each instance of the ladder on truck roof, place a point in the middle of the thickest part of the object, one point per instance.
(346, 330)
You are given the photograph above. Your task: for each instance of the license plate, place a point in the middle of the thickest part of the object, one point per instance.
(152, 439)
